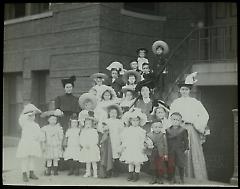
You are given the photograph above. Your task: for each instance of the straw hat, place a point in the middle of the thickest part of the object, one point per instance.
(160, 103)
(99, 75)
(162, 44)
(135, 112)
(131, 72)
(85, 97)
(128, 88)
(189, 81)
(57, 113)
(118, 66)
(110, 89)
(114, 106)
(30, 109)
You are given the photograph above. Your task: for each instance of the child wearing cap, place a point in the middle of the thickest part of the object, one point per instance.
(90, 153)
(177, 139)
(52, 149)
(72, 146)
(29, 146)
(115, 126)
(132, 138)
(159, 152)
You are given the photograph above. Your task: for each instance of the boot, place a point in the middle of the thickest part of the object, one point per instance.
(55, 170)
(76, 171)
(71, 168)
(25, 178)
(130, 176)
(32, 175)
(48, 171)
(135, 177)
(153, 180)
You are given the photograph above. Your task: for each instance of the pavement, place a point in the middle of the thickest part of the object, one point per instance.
(11, 175)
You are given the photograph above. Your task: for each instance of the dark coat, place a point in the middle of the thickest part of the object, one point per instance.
(116, 85)
(69, 105)
(177, 139)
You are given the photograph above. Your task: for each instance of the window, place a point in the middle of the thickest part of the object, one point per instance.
(18, 10)
(145, 8)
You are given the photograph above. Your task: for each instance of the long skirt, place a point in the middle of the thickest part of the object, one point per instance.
(196, 166)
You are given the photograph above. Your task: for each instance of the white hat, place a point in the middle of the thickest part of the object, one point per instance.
(190, 79)
(30, 109)
(135, 112)
(87, 96)
(116, 65)
(110, 89)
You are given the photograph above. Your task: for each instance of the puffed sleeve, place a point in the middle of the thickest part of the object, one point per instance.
(201, 118)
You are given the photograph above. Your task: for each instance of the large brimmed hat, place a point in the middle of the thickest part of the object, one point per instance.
(99, 75)
(133, 113)
(159, 103)
(162, 44)
(30, 109)
(118, 66)
(57, 113)
(87, 97)
(131, 72)
(114, 106)
(108, 88)
(70, 80)
(189, 81)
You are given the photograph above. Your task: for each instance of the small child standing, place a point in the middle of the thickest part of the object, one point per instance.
(90, 153)
(29, 146)
(71, 142)
(142, 57)
(115, 126)
(177, 138)
(159, 152)
(52, 147)
(132, 139)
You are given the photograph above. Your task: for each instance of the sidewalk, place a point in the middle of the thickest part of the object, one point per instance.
(12, 176)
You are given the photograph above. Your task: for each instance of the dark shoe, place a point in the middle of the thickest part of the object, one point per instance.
(25, 178)
(160, 180)
(48, 171)
(55, 170)
(153, 181)
(32, 175)
(130, 176)
(135, 177)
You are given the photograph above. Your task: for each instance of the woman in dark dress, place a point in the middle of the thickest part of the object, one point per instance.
(68, 104)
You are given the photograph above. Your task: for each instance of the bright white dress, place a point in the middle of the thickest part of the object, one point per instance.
(53, 141)
(73, 147)
(115, 128)
(81, 116)
(29, 144)
(89, 141)
(132, 139)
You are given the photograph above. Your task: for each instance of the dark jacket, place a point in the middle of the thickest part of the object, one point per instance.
(116, 85)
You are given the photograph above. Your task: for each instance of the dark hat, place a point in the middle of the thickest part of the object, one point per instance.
(160, 103)
(70, 80)
(146, 82)
(142, 49)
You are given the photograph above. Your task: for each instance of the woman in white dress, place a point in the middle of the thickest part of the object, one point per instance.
(29, 146)
(132, 138)
(195, 119)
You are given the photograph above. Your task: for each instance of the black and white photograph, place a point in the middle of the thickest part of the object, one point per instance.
(120, 94)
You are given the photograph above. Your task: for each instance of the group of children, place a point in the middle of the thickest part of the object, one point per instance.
(108, 131)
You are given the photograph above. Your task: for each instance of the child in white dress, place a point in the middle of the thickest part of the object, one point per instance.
(72, 145)
(115, 126)
(90, 153)
(52, 146)
(132, 139)
(29, 146)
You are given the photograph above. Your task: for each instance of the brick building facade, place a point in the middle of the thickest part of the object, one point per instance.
(47, 42)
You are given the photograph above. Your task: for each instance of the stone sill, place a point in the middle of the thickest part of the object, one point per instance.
(28, 18)
(142, 16)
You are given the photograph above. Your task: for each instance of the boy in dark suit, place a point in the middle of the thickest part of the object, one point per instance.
(177, 139)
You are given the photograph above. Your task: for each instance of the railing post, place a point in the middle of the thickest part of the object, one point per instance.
(234, 179)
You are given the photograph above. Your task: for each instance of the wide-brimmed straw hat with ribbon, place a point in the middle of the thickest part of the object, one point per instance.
(109, 89)
(87, 97)
(131, 72)
(189, 81)
(99, 75)
(114, 106)
(134, 113)
(30, 109)
(57, 113)
(118, 66)
(158, 44)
